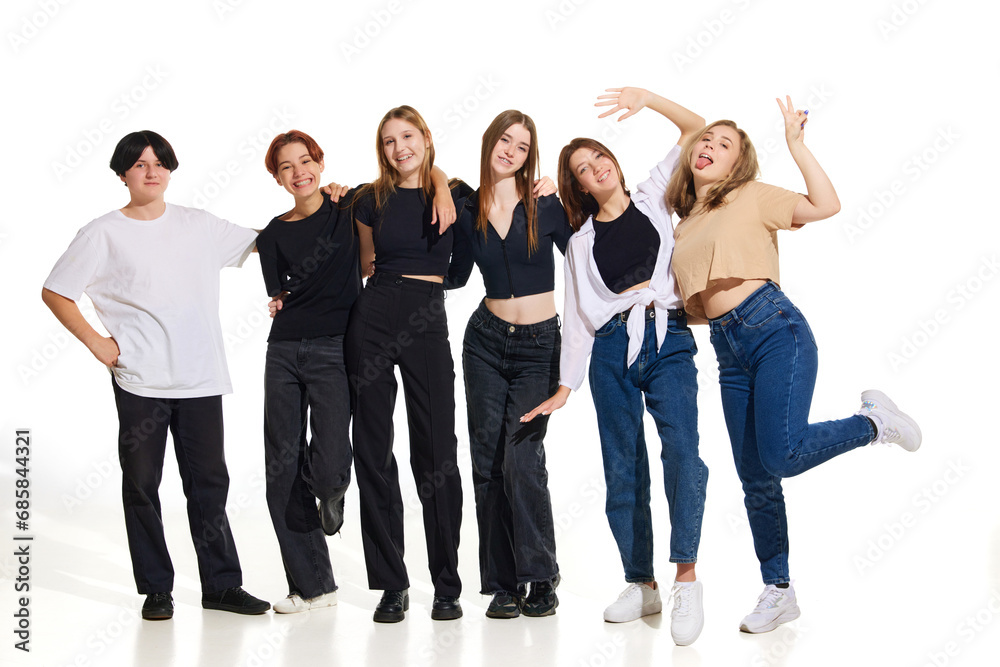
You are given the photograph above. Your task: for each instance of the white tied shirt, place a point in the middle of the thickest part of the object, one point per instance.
(155, 287)
(589, 302)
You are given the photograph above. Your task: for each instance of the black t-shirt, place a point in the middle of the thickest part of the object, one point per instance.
(508, 270)
(625, 249)
(316, 259)
(406, 242)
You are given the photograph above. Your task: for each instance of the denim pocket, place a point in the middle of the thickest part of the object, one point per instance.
(608, 328)
(796, 321)
(547, 340)
(763, 312)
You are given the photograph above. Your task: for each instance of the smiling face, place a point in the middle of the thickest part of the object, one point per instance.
(595, 172)
(715, 154)
(404, 147)
(148, 178)
(297, 171)
(511, 151)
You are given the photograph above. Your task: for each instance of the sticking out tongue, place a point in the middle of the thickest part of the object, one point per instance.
(702, 163)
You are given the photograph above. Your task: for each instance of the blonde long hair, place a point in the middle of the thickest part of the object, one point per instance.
(681, 194)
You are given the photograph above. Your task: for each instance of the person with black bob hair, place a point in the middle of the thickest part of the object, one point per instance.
(167, 364)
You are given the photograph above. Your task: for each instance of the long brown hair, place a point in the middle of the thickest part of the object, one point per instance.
(578, 204)
(523, 178)
(388, 176)
(681, 194)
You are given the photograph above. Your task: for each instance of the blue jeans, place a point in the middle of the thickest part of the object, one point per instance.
(305, 383)
(667, 379)
(510, 369)
(767, 371)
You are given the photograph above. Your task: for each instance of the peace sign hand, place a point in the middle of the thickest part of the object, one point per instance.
(795, 120)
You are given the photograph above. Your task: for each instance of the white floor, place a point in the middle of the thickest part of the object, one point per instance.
(901, 603)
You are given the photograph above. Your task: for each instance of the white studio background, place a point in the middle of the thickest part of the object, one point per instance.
(900, 287)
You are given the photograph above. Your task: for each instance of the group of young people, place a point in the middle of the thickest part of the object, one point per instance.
(635, 282)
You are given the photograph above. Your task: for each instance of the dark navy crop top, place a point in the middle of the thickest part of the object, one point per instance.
(508, 271)
(625, 249)
(405, 240)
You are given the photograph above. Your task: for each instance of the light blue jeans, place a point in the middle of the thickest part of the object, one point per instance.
(767, 372)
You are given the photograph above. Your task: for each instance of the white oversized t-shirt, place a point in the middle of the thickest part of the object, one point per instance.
(155, 287)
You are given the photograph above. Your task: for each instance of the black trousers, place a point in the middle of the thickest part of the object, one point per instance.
(401, 322)
(196, 427)
(305, 382)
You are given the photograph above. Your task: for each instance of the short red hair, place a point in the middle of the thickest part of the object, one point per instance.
(290, 137)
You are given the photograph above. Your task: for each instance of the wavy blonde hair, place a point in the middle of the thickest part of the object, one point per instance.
(681, 194)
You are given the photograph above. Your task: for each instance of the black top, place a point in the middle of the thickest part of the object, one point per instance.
(508, 270)
(406, 242)
(316, 259)
(625, 249)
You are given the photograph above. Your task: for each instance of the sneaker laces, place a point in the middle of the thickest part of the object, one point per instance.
(631, 591)
(768, 599)
(682, 600)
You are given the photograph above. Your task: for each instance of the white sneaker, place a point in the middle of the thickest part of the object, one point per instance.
(688, 616)
(636, 601)
(894, 426)
(295, 604)
(774, 607)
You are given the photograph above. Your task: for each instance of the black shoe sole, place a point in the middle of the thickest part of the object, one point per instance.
(550, 611)
(446, 615)
(157, 616)
(392, 616)
(247, 611)
(503, 614)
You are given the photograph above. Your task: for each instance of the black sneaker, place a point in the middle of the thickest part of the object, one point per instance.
(234, 599)
(331, 512)
(446, 608)
(542, 600)
(392, 607)
(505, 605)
(158, 607)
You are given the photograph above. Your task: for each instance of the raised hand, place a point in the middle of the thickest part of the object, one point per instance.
(795, 120)
(630, 99)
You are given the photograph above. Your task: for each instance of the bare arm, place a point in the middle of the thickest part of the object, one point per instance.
(821, 199)
(635, 99)
(443, 208)
(68, 313)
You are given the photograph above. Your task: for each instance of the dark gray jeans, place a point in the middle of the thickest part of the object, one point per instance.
(510, 369)
(305, 383)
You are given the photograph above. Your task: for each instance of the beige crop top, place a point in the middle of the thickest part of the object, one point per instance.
(737, 240)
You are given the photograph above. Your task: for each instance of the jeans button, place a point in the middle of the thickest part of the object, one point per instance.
(511, 328)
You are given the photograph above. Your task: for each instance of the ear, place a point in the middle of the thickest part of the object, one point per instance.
(322, 166)
(427, 139)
